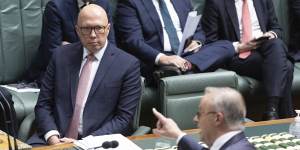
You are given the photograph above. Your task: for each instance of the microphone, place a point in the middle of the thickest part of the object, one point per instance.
(12, 115)
(6, 125)
(107, 145)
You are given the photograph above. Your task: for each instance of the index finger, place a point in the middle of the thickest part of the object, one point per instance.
(158, 115)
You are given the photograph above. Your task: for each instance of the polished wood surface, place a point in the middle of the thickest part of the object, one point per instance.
(192, 131)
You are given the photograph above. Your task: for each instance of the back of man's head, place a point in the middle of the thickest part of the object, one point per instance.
(230, 103)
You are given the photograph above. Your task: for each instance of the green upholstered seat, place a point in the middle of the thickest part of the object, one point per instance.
(180, 95)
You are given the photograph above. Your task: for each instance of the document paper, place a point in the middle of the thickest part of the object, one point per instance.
(189, 29)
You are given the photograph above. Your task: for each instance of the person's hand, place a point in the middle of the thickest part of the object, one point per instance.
(66, 140)
(65, 43)
(53, 140)
(174, 60)
(193, 47)
(166, 126)
(247, 46)
(270, 35)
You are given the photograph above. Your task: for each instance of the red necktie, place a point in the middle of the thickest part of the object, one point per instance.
(81, 91)
(246, 27)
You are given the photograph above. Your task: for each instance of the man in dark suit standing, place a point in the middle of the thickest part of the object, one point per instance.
(58, 29)
(90, 87)
(152, 29)
(253, 29)
(220, 116)
(294, 41)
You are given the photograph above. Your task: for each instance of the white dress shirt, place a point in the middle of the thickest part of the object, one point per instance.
(176, 23)
(256, 30)
(95, 65)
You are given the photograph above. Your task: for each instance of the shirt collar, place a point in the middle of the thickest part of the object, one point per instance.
(98, 54)
(220, 141)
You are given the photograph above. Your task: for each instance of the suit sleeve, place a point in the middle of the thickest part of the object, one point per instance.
(128, 101)
(45, 104)
(272, 22)
(51, 37)
(189, 143)
(130, 32)
(209, 21)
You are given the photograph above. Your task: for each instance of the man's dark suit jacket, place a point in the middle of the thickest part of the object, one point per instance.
(112, 100)
(222, 21)
(294, 41)
(59, 20)
(140, 31)
(237, 142)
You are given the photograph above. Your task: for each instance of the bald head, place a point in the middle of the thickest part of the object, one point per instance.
(93, 27)
(92, 10)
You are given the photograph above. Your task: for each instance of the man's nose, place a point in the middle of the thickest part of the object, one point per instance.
(93, 33)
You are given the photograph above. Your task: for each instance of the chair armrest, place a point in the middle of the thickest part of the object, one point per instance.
(141, 131)
(27, 127)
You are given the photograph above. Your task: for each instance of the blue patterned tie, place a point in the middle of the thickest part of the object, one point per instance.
(169, 26)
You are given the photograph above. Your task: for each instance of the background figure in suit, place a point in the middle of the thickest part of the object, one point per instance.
(241, 21)
(58, 29)
(294, 41)
(90, 87)
(152, 29)
(220, 115)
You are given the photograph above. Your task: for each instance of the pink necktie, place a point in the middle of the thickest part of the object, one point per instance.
(246, 27)
(81, 91)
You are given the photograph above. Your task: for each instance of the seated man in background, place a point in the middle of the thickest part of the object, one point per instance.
(59, 19)
(90, 87)
(294, 41)
(253, 29)
(152, 29)
(220, 116)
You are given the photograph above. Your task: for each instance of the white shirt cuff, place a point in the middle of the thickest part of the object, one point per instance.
(235, 45)
(158, 57)
(51, 133)
(180, 137)
(274, 33)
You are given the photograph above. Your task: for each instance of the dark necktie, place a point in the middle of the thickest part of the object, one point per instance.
(169, 26)
(81, 91)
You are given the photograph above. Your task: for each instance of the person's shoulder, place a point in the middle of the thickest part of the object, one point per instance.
(121, 53)
(64, 50)
(243, 144)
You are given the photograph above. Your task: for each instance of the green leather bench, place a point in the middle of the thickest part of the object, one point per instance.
(20, 24)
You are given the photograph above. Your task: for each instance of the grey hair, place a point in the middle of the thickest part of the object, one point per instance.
(231, 103)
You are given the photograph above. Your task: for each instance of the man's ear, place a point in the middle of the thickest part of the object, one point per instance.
(107, 29)
(77, 29)
(219, 118)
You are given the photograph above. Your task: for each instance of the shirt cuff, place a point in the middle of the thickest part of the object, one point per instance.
(274, 33)
(51, 133)
(158, 57)
(180, 137)
(235, 45)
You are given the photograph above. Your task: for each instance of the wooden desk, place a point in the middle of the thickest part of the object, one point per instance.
(192, 131)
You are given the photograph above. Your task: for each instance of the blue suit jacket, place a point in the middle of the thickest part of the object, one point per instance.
(59, 20)
(112, 100)
(139, 28)
(237, 142)
(220, 21)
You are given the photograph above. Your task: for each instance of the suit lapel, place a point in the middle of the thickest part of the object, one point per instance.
(230, 8)
(151, 10)
(107, 59)
(73, 10)
(259, 13)
(177, 4)
(75, 64)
